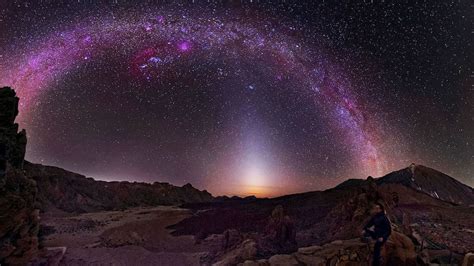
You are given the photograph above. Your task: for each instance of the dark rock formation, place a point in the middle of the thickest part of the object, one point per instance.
(12, 142)
(245, 251)
(399, 250)
(19, 220)
(231, 238)
(280, 234)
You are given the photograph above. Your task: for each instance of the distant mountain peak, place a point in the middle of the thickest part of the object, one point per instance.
(423, 179)
(432, 182)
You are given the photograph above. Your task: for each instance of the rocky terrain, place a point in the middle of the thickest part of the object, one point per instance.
(399, 251)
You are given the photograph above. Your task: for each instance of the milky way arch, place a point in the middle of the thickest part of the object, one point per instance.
(154, 43)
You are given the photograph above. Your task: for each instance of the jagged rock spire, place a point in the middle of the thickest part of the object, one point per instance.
(12, 142)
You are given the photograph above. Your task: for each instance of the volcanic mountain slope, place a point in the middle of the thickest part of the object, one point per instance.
(431, 182)
(71, 192)
(426, 180)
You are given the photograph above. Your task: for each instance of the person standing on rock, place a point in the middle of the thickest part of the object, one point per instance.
(379, 229)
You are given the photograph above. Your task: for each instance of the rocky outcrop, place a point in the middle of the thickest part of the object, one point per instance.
(346, 219)
(19, 219)
(280, 234)
(397, 251)
(12, 142)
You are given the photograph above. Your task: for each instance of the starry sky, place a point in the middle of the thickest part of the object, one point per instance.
(242, 97)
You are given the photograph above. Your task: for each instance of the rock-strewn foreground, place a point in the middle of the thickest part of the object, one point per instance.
(399, 251)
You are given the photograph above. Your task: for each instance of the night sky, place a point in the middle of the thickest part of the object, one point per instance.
(242, 97)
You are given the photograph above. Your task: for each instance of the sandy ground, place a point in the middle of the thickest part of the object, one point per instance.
(132, 237)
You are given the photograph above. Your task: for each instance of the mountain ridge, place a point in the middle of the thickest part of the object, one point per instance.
(423, 179)
(79, 200)
(59, 189)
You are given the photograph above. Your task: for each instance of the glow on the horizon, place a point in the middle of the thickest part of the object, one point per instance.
(255, 177)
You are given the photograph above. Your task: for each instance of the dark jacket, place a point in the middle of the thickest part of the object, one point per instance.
(381, 226)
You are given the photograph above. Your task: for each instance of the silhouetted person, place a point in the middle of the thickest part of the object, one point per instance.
(379, 229)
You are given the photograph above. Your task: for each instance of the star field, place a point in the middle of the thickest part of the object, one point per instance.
(242, 98)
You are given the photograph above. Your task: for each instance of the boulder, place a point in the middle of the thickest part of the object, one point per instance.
(468, 259)
(399, 250)
(247, 250)
(283, 260)
(309, 250)
(231, 237)
(309, 259)
(255, 263)
(351, 263)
